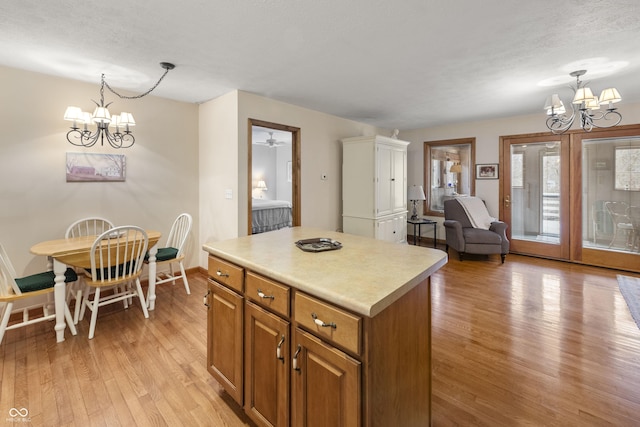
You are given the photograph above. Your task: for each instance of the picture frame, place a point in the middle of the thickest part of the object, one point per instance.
(93, 167)
(486, 171)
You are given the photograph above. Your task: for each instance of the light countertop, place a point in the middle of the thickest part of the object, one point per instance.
(364, 276)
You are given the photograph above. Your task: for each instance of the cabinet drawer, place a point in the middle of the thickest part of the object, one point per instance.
(226, 273)
(268, 293)
(340, 327)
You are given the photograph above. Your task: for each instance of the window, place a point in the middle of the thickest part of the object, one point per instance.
(448, 171)
(627, 174)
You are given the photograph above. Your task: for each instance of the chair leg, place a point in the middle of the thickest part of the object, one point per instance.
(142, 301)
(184, 279)
(69, 319)
(76, 309)
(93, 306)
(6, 314)
(502, 257)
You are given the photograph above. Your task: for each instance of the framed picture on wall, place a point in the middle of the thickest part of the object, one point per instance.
(487, 171)
(85, 167)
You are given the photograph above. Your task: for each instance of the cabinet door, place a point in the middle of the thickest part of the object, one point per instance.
(267, 372)
(385, 177)
(399, 179)
(326, 390)
(392, 229)
(224, 346)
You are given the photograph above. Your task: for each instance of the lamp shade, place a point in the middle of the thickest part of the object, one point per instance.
(73, 114)
(416, 193)
(101, 115)
(610, 95)
(262, 185)
(583, 94)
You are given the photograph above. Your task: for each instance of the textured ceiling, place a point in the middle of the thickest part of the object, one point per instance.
(395, 64)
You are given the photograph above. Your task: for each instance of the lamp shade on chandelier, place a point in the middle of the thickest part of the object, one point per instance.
(115, 129)
(587, 108)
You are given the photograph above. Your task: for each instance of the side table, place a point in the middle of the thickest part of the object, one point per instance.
(419, 222)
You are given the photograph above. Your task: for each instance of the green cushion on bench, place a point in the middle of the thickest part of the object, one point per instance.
(45, 280)
(164, 254)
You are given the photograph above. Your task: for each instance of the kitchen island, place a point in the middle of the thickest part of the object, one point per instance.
(340, 336)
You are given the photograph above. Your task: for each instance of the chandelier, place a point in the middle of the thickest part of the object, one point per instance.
(115, 129)
(587, 104)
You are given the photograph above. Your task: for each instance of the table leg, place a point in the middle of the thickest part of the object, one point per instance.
(434, 234)
(151, 293)
(59, 297)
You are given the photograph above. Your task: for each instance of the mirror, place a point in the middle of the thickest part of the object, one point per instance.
(448, 172)
(274, 176)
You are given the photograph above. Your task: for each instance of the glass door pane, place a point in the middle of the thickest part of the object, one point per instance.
(535, 191)
(536, 201)
(611, 194)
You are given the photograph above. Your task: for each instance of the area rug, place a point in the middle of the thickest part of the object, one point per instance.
(630, 290)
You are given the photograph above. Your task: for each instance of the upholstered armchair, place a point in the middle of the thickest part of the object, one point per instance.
(470, 230)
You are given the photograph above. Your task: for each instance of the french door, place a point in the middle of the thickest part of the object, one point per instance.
(575, 196)
(535, 196)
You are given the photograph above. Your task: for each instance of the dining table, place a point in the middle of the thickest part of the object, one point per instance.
(76, 252)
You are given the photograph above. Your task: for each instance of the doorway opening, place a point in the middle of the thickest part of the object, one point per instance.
(274, 176)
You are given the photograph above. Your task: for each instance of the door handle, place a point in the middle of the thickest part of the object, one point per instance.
(507, 201)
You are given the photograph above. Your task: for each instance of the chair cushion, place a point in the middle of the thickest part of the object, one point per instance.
(120, 269)
(480, 236)
(45, 280)
(164, 254)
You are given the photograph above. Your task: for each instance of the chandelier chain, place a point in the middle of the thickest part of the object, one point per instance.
(104, 83)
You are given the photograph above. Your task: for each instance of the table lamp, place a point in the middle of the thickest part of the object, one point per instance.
(415, 193)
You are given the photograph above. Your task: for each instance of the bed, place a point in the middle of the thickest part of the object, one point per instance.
(269, 215)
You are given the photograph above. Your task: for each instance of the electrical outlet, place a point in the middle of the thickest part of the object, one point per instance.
(228, 194)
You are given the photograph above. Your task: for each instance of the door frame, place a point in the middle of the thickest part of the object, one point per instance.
(546, 250)
(591, 256)
(295, 169)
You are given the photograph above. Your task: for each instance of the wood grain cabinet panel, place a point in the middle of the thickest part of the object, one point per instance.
(326, 385)
(224, 346)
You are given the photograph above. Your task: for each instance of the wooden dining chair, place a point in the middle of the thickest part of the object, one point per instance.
(91, 226)
(28, 296)
(117, 257)
(174, 252)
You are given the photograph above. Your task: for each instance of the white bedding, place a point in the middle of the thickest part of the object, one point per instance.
(258, 204)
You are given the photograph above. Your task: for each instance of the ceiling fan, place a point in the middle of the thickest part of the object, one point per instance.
(270, 142)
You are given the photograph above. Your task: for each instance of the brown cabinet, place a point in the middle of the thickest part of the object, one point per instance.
(325, 384)
(267, 367)
(225, 342)
(293, 359)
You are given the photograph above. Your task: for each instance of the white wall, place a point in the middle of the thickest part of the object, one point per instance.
(36, 201)
(487, 134)
(218, 165)
(321, 152)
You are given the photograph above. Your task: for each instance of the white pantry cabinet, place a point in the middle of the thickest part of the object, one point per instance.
(374, 187)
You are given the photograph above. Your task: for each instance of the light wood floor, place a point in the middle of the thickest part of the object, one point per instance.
(530, 342)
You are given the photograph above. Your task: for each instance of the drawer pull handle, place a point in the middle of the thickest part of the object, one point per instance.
(321, 323)
(263, 296)
(294, 363)
(221, 274)
(205, 300)
(279, 350)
